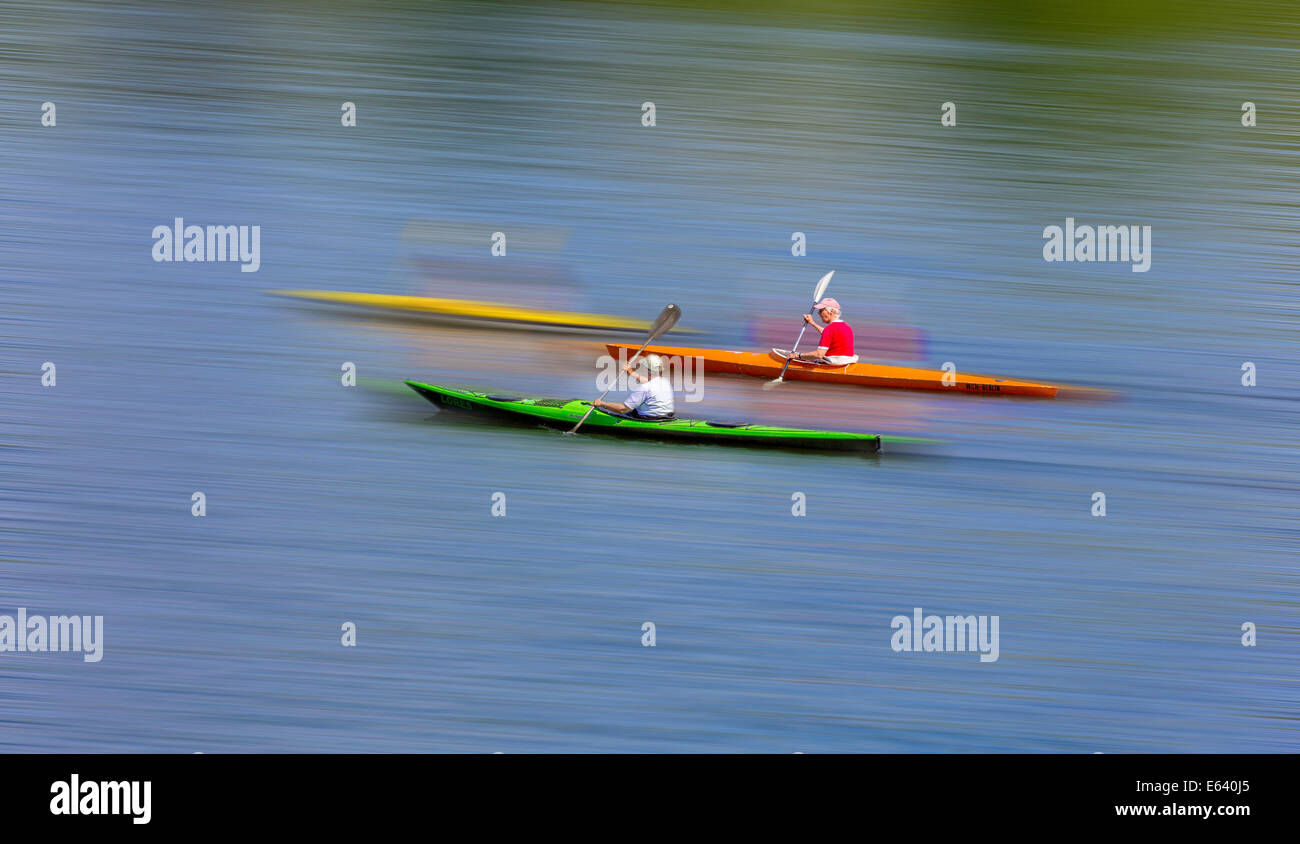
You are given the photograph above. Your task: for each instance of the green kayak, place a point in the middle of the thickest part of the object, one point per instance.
(564, 414)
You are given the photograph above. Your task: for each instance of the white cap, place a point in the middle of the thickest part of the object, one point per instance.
(653, 364)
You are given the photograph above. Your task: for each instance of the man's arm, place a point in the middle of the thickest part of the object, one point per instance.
(821, 350)
(641, 379)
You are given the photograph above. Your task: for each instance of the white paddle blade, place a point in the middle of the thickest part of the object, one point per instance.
(821, 286)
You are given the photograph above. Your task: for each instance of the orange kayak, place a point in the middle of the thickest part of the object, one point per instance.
(718, 361)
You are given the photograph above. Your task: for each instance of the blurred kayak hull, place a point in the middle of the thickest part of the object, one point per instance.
(473, 311)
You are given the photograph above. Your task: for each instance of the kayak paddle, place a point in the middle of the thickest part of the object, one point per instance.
(667, 319)
(817, 297)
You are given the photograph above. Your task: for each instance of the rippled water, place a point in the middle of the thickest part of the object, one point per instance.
(328, 504)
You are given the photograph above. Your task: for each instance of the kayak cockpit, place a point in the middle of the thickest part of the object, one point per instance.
(633, 417)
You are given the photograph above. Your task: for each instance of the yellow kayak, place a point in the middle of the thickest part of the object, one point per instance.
(465, 309)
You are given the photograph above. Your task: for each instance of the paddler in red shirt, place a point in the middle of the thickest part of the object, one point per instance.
(836, 344)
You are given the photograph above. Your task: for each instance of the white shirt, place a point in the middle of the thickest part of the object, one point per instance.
(653, 398)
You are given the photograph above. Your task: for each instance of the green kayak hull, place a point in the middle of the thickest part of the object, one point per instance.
(565, 413)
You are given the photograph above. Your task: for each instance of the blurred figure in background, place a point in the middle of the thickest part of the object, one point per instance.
(652, 400)
(836, 344)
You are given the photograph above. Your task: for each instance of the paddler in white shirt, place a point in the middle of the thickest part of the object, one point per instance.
(653, 399)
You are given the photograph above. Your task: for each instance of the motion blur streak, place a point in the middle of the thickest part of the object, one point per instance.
(328, 504)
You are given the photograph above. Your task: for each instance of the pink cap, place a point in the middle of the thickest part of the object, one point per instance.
(827, 303)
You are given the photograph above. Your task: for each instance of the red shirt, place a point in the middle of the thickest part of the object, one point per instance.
(838, 339)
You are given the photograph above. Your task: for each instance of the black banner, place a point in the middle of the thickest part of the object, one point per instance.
(331, 793)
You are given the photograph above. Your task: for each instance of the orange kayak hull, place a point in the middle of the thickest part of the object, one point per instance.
(718, 361)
